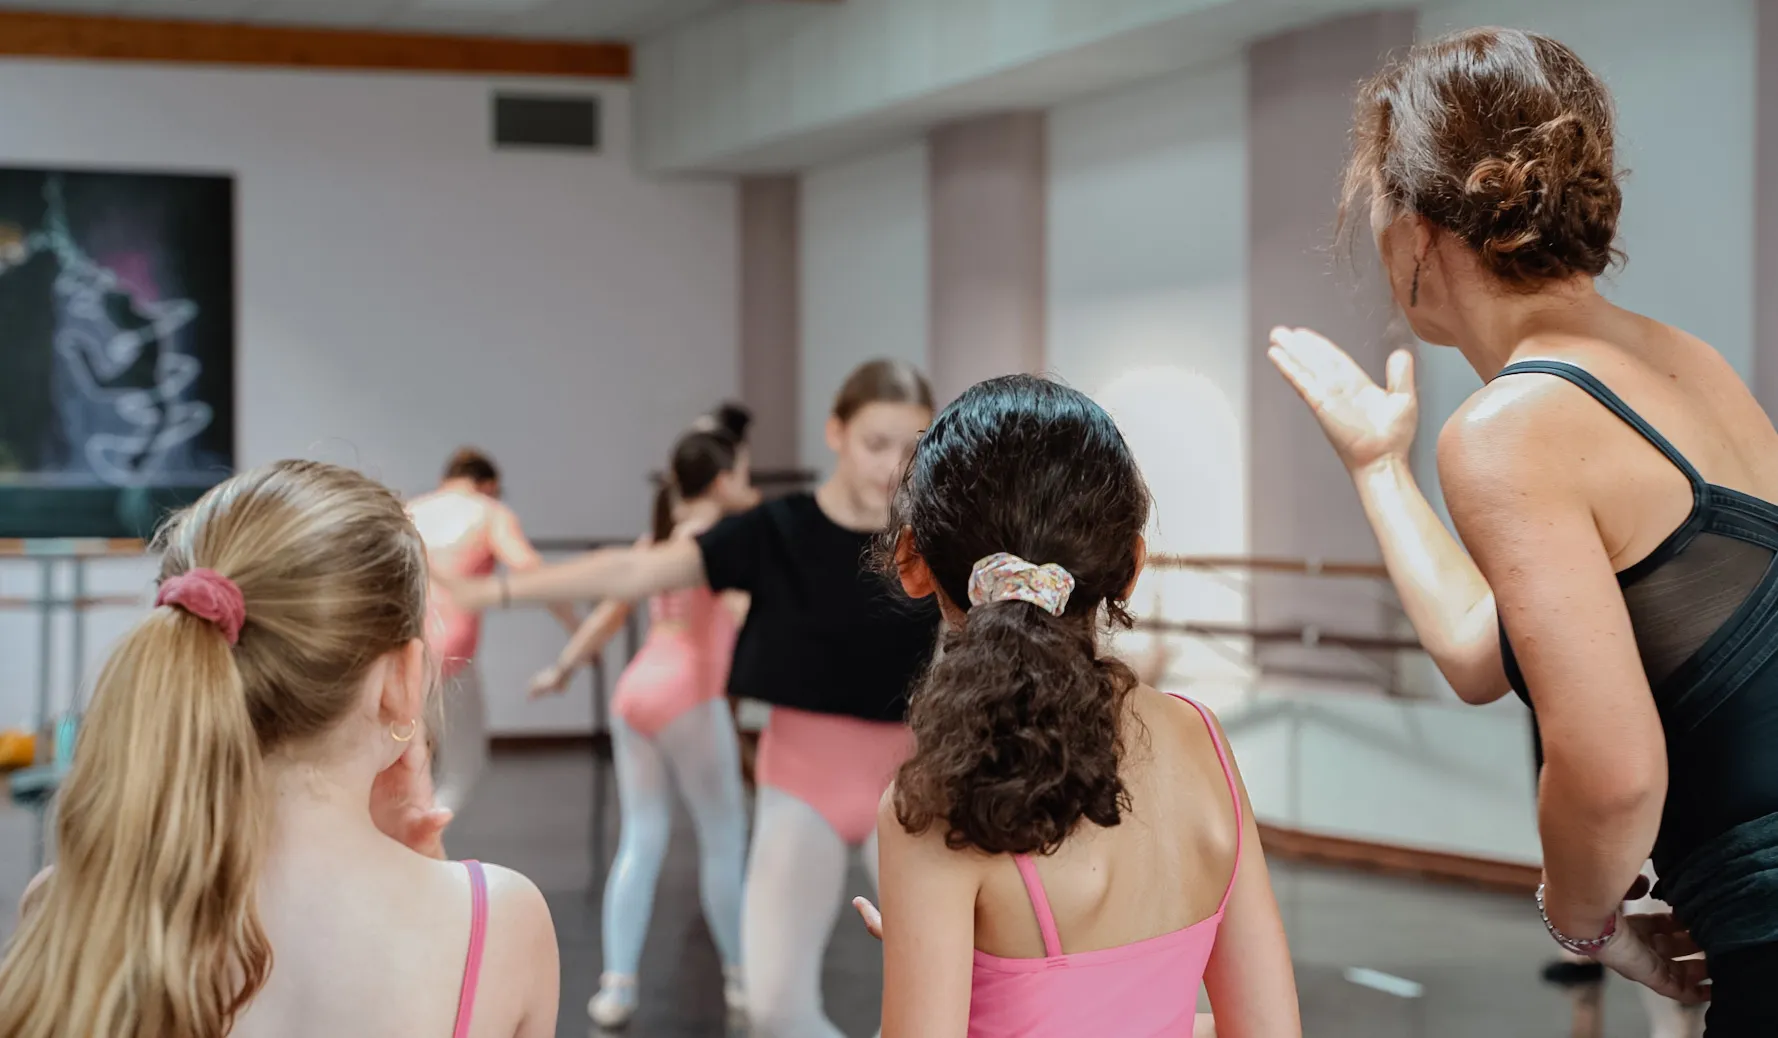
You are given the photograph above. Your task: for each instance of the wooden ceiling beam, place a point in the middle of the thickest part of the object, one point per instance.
(90, 38)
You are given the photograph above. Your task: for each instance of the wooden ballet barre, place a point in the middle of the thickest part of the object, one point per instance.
(555, 544)
(70, 547)
(1308, 635)
(1272, 564)
(82, 602)
(793, 478)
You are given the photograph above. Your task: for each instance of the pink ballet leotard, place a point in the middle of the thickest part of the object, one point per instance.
(1143, 990)
(683, 664)
(456, 529)
(839, 766)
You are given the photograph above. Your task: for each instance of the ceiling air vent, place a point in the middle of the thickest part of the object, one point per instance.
(546, 121)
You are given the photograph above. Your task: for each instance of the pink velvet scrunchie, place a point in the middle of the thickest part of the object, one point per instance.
(207, 595)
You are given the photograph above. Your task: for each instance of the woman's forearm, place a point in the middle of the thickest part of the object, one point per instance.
(1594, 844)
(1442, 591)
(590, 640)
(625, 574)
(599, 574)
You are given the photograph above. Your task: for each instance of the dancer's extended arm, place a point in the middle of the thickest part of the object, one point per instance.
(729, 556)
(610, 573)
(1371, 428)
(595, 633)
(516, 553)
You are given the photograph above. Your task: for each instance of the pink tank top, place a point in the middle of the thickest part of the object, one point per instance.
(698, 614)
(478, 936)
(1142, 990)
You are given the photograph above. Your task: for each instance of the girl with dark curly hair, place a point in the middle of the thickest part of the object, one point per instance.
(1068, 851)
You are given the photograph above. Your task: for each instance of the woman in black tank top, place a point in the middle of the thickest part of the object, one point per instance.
(1626, 597)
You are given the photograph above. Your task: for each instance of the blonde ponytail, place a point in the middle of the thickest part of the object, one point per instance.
(149, 927)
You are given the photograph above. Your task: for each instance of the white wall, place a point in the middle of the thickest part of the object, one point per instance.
(865, 276)
(1148, 312)
(1683, 76)
(405, 289)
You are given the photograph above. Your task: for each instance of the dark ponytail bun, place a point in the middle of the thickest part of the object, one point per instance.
(699, 456)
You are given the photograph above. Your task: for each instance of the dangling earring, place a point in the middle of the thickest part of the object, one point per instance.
(1414, 292)
(412, 727)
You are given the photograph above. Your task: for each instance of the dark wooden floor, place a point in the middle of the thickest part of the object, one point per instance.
(553, 816)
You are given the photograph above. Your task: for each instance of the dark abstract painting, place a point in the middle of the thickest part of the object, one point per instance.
(117, 348)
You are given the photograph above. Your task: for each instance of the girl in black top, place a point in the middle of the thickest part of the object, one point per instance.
(828, 644)
(1629, 597)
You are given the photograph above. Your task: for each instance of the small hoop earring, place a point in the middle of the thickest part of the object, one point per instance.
(412, 728)
(1414, 293)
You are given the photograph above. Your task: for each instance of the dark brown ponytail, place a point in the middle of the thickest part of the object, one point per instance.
(699, 457)
(661, 521)
(1018, 725)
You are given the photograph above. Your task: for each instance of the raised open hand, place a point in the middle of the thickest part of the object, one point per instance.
(1365, 422)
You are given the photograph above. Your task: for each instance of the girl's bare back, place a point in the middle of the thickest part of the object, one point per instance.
(376, 942)
(1163, 869)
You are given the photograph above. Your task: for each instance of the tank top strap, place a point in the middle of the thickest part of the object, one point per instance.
(478, 935)
(1599, 391)
(1228, 776)
(1040, 904)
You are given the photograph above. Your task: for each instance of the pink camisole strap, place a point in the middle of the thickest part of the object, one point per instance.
(1040, 900)
(1228, 775)
(478, 935)
(1040, 903)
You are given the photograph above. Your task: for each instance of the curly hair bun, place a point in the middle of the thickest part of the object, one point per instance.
(1503, 138)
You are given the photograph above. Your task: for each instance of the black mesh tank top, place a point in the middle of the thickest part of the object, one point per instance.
(1704, 606)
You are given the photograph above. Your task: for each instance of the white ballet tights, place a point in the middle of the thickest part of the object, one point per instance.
(698, 753)
(794, 894)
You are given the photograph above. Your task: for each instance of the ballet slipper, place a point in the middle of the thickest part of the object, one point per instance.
(615, 1004)
(734, 993)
